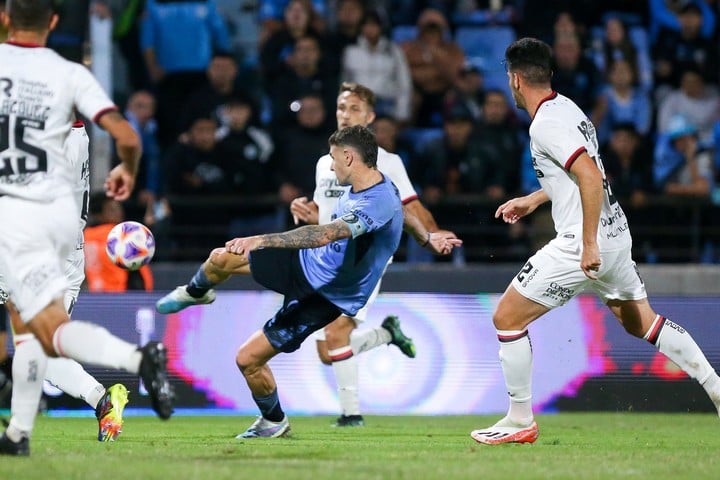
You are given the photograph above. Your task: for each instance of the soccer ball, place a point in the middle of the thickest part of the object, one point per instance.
(130, 245)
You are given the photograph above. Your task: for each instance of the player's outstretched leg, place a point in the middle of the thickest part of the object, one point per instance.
(180, 299)
(109, 412)
(505, 431)
(399, 339)
(264, 428)
(153, 371)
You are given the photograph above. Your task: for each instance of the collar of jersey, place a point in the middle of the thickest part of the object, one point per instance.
(551, 96)
(23, 44)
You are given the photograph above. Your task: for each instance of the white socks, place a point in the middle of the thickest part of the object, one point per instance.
(70, 377)
(516, 362)
(346, 375)
(90, 343)
(28, 369)
(368, 338)
(675, 342)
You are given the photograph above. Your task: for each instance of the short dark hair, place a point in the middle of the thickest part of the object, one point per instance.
(366, 94)
(531, 58)
(30, 14)
(361, 139)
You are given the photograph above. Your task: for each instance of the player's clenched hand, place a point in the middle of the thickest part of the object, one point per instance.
(243, 245)
(590, 261)
(304, 210)
(442, 242)
(119, 183)
(513, 210)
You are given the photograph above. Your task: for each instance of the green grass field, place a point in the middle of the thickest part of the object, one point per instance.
(571, 446)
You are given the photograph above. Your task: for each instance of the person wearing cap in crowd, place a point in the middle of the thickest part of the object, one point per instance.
(681, 166)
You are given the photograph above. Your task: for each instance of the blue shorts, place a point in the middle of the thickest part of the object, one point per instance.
(303, 311)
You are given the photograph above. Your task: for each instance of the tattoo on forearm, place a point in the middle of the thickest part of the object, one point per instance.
(309, 236)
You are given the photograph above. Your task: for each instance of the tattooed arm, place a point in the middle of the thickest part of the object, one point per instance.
(309, 236)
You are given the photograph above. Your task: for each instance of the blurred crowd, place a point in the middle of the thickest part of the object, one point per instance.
(235, 99)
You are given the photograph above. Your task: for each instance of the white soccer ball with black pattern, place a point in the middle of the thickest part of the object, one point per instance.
(130, 245)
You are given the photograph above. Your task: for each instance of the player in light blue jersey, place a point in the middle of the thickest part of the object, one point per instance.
(323, 271)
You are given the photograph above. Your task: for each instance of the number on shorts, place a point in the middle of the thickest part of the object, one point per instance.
(525, 270)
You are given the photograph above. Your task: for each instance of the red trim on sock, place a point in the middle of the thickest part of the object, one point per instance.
(656, 329)
(512, 338)
(344, 355)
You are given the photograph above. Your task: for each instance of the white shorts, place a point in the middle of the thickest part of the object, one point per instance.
(553, 276)
(361, 315)
(36, 241)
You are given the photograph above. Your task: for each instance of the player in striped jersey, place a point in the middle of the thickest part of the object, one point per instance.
(592, 249)
(39, 93)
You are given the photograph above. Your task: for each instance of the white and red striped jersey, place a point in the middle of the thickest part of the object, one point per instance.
(39, 91)
(559, 133)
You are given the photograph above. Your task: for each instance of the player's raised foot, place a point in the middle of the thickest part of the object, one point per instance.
(264, 428)
(350, 421)
(153, 371)
(8, 447)
(506, 432)
(180, 299)
(109, 412)
(399, 339)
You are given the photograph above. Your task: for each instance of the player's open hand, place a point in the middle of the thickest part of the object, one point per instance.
(119, 183)
(590, 262)
(243, 245)
(304, 210)
(442, 242)
(513, 210)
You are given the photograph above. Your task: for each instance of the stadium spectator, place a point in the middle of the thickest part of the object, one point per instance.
(248, 153)
(388, 135)
(223, 83)
(299, 146)
(621, 101)
(196, 166)
(380, 64)
(682, 167)
(272, 16)
(101, 274)
(345, 31)
(434, 62)
(307, 266)
(666, 14)
(469, 90)
(615, 45)
(674, 52)
(696, 100)
(301, 76)
(574, 74)
(275, 52)
(627, 165)
(592, 249)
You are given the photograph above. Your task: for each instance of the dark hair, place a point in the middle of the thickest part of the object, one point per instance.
(361, 139)
(531, 58)
(30, 14)
(367, 95)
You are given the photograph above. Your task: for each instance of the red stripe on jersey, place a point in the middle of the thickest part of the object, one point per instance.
(512, 338)
(574, 157)
(102, 112)
(78, 124)
(409, 199)
(24, 44)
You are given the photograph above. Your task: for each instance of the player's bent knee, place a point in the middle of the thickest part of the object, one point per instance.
(323, 354)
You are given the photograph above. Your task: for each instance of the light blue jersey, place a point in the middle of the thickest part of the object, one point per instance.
(346, 271)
